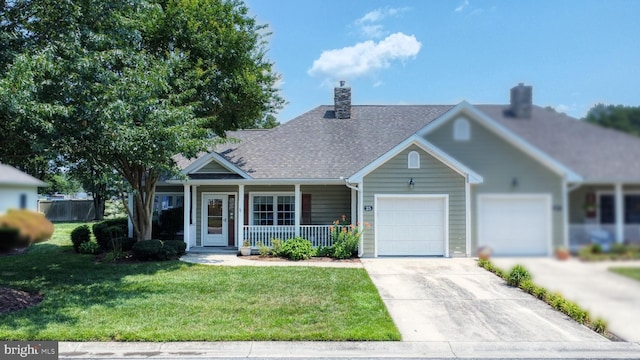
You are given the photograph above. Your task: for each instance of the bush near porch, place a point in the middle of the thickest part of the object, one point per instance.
(176, 301)
(595, 252)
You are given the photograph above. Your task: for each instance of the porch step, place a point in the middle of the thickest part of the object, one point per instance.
(213, 250)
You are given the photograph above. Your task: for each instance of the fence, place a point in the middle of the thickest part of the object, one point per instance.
(67, 210)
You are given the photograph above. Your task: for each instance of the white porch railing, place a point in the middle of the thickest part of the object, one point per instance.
(319, 235)
(603, 234)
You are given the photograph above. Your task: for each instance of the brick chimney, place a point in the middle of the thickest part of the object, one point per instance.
(342, 101)
(521, 101)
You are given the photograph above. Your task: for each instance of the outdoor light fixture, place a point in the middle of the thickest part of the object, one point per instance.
(411, 183)
(514, 182)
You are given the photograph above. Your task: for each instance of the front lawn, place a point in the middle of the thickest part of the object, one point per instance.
(631, 272)
(176, 301)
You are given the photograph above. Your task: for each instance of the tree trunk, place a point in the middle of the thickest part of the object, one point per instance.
(143, 183)
(98, 206)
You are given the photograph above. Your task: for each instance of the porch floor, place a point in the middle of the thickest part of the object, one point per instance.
(213, 250)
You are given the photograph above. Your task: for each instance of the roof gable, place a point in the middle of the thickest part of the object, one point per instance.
(472, 112)
(471, 176)
(12, 176)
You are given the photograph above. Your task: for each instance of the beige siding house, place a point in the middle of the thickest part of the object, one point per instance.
(429, 180)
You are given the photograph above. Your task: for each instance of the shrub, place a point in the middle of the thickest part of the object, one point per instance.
(79, 236)
(596, 249)
(276, 247)
(158, 249)
(517, 275)
(89, 247)
(297, 249)
(263, 249)
(106, 230)
(346, 239)
(323, 251)
(121, 243)
(179, 247)
(33, 227)
(600, 326)
(619, 249)
(9, 239)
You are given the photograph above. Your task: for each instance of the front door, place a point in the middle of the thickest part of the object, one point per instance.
(214, 220)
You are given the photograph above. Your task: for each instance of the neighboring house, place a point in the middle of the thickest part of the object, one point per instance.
(433, 180)
(18, 190)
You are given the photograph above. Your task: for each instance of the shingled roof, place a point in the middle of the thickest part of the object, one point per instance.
(316, 145)
(594, 152)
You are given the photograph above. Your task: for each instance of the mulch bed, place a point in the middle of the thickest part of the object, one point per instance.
(13, 300)
(313, 259)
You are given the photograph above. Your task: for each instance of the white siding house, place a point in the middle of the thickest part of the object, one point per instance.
(18, 190)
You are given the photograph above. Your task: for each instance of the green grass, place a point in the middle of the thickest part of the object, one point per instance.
(176, 301)
(631, 272)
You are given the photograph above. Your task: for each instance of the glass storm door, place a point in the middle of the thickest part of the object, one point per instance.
(214, 220)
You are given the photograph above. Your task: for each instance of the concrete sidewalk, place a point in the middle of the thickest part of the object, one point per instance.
(604, 294)
(439, 349)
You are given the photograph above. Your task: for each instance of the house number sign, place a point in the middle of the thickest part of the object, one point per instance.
(368, 208)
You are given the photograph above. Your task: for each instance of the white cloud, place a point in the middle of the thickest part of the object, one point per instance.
(369, 25)
(462, 6)
(562, 108)
(365, 57)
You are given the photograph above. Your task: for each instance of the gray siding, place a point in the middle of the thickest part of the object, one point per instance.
(433, 177)
(169, 189)
(499, 162)
(328, 203)
(214, 167)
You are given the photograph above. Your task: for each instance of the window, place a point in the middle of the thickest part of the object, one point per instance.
(413, 160)
(632, 209)
(273, 209)
(165, 201)
(607, 209)
(461, 130)
(23, 201)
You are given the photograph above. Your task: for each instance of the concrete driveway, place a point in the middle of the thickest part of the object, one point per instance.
(433, 299)
(613, 297)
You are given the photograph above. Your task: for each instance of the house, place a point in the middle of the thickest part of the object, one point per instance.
(18, 190)
(432, 180)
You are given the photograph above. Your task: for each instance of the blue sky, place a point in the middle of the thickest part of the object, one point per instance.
(574, 53)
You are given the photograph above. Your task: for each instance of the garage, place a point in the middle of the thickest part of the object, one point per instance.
(411, 225)
(515, 225)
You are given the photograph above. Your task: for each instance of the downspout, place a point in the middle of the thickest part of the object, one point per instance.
(357, 189)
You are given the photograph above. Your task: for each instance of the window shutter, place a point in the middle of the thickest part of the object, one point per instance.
(306, 209)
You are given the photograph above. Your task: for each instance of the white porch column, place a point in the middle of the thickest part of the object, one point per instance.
(187, 218)
(194, 213)
(619, 213)
(240, 217)
(298, 203)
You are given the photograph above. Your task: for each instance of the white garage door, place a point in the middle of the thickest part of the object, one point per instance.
(411, 225)
(515, 224)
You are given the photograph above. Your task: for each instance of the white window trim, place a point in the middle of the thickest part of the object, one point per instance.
(461, 129)
(416, 156)
(273, 194)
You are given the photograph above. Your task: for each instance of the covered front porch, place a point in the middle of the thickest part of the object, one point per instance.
(226, 215)
(605, 214)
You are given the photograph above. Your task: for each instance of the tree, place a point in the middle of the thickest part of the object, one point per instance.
(624, 118)
(269, 122)
(128, 84)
